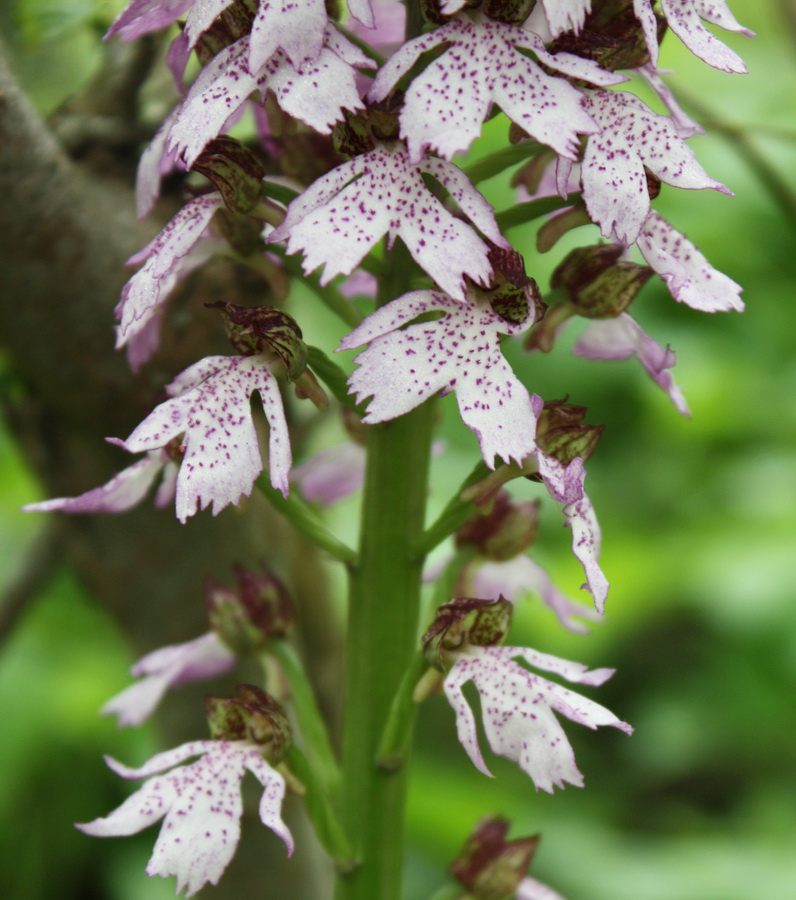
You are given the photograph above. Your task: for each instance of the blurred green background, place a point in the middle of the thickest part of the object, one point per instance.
(699, 544)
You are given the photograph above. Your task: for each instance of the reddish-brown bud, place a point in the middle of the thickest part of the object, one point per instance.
(250, 615)
(489, 866)
(600, 284)
(504, 531)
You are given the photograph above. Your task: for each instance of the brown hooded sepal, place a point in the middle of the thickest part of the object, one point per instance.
(254, 330)
(253, 716)
(562, 434)
(466, 621)
(234, 170)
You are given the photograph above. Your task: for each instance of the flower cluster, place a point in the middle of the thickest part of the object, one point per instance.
(379, 178)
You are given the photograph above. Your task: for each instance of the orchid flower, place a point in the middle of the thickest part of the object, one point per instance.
(684, 17)
(632, 138)
(201, 807)
(446, 105)
(404, 366)
(317, 94)
(622, 337)
(518, 706)
(165, 668)
(340, 217)
(210, 408)
(183, 245)
(124, 491)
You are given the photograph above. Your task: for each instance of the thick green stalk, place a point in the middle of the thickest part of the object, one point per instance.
(382, 640)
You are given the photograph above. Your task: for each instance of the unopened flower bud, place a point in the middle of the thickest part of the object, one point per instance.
(490, 867)
(600, 285)
(253, 715)
(504, 531)
(236, 173)
(466, 621)
(262, 329)
(561, 433)
(250, 615)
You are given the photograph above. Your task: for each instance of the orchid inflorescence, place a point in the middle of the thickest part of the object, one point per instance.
(383, 213)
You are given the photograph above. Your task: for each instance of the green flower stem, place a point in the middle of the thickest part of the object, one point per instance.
(452, 517)
(303, 519)
(382, 640)
(327, 826)
(397, 735)
(312, 727)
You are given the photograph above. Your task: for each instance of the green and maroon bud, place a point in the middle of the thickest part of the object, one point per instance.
(489, 866)
(502, 532)
(466, 621)
(561, 432)
(235, 171)
(611, 35)
(551, 232)
(254, 716)
(253, 330)
(600, 285)
(248, 616)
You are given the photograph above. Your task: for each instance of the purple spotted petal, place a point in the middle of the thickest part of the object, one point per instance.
(403, 367)
(688, 275)
(166, 668)
(565, 485)
(685, 125)
(202, 16)
(317, 94)
(200, 805)
(342, 215)
(622, 337)
(211, 410)
(517, 709)
(565, 15)
(156, 161)
(446, 104)
(632, 137)
(293, 26)
(142, 16)
(121, 493)
(169, 257)
(685, 19)
(520, 576)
